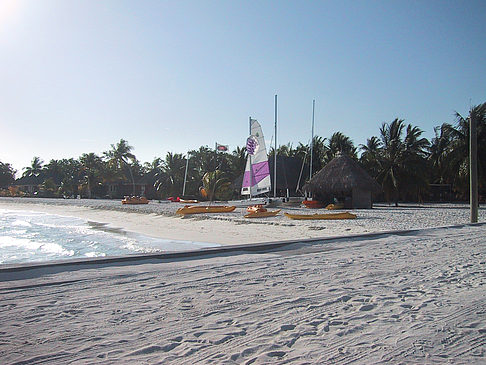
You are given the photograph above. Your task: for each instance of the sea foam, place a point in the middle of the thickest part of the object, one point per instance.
(32, 237)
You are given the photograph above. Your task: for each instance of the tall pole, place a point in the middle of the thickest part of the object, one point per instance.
(275, 155)
(185, 176)
(312, 138)
(249, 157)
(473, 168)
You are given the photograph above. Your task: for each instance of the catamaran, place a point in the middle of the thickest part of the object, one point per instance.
(256, 179)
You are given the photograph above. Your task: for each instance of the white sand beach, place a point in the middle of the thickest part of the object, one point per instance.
(159, 220)
(399, 297)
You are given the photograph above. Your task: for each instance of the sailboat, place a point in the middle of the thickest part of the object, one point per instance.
(256, 179)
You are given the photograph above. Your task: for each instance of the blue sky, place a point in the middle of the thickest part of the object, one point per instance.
(77, 76)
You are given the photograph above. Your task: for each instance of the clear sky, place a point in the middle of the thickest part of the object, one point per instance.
(77, 76)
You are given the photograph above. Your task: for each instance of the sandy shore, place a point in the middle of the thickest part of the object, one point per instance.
(402, 297)
(159, 220)
(407, 298)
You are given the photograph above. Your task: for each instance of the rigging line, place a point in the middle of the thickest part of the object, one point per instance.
(301, 170)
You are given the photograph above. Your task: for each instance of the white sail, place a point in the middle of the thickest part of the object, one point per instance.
(256, 179)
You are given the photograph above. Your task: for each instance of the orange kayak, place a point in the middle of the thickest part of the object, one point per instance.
(196, 209)
(344, 215)
(135, 200)
(262, 214)
(313, 204)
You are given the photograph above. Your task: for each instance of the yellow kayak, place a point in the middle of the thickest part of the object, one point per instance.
(262, 214)
(344, 215)
(190, 209)
(335, 206)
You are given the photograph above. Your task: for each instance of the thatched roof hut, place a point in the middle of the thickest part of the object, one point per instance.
(344, 178)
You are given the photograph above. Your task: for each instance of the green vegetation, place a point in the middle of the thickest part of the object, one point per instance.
(403, 162)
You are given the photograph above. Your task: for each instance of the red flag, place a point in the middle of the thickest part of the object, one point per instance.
(221, 147)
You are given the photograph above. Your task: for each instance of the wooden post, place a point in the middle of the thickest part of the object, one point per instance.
(275, 155)
(473, 167)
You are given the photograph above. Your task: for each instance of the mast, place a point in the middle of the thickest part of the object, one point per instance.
(275, 155)
(249, 156)
(312, 138)
(185, 175)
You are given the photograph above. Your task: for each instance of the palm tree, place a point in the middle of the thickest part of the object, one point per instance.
(283, 150)
(91, 167)
(339, 143)
(401, 160)
(459, 154)
(439, 150)
(71, 172)
(319, 154)
(215, 184)
(54, 171)
(415, 162)
(34, 169)
(391, 158)
(170, 177)
(206, 159)
(119, 156)
(369, 156)
(7, 174)
(237, 162)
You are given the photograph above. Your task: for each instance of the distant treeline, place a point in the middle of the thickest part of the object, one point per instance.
(408, 166)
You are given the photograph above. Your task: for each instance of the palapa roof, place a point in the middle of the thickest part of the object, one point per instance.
(341, 175)
(29, 180)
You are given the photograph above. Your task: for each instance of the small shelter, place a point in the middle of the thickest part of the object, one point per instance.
(343, 178)
(29, 184)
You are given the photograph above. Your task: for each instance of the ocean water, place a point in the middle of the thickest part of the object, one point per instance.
(27, 236)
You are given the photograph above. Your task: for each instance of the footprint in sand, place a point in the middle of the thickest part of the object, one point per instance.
(367, 307)
(287, 327)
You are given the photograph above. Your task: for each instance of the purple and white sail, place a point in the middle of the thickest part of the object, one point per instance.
(256, 179)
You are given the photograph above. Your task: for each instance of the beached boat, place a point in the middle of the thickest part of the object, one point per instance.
(183, 201)
(343, 215)
(315, 204)
(135, 200)
(190, 209)
(189, 201)
(262, 213)
(256, 208)
(335, 206)
(248, 202)
(256, 179)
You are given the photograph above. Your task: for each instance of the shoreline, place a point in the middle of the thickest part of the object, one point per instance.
(160, 221)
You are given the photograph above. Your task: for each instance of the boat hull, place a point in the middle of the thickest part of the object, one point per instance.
(188, 201)
(328, 216)
(248, 202)
(313, 204)
(260, 214)
(188, 209)
(135, 201)
(335, 206)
